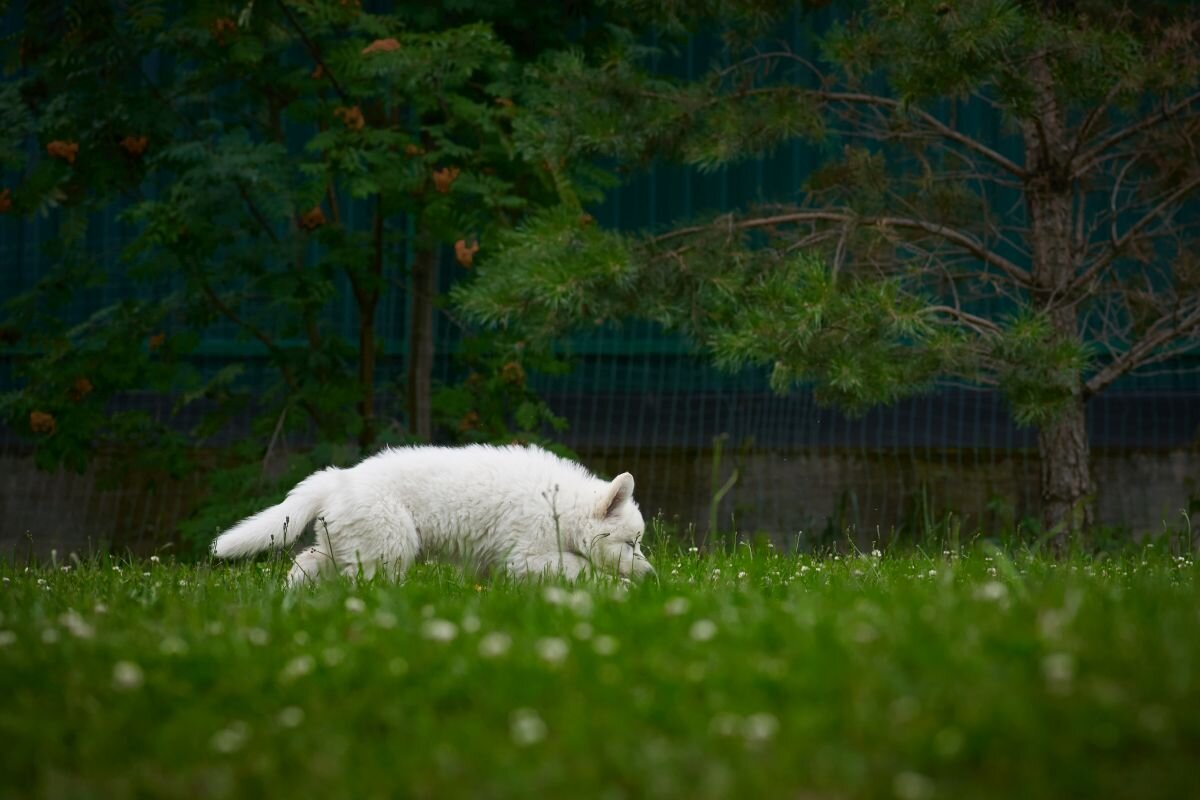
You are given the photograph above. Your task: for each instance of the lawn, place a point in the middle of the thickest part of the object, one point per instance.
(747, 674)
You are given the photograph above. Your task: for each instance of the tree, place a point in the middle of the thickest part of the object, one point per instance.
(1047, 249)
(263, 156)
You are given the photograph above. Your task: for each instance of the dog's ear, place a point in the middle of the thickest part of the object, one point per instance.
(617, 495)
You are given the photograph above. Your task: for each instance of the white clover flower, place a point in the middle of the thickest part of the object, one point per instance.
(912, 786)
(76, 625)
(100, 608)
(257, 636)
(154, 559)
(582, 630)
(495, 644)
(803, 569)
(605, 645)
(676, 606)
(355, 605)
(385, 619)
(580, 602)
(991, 571)
(741, 575)
(298, 667)
(470, 623)
(145, 574)
(526, 727)
(231, 738)
(290, 717)
(439, 630)
(41, 581)
(703, 630)
(555, 595)
(876, 553)
(932, 573)
(552, 650)
(759, 728)
(172, 646)
(127, 676)
(693, 549)
(994, 591)
(7, 638)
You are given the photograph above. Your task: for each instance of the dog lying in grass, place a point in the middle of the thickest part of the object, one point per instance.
(521, 509)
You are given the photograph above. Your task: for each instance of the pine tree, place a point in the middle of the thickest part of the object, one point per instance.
(1047, 252)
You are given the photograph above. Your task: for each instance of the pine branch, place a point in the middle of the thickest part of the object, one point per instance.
(1092, 156)
(1143, 351)
(968, 243)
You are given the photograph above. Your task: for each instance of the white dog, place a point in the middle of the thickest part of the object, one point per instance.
(522, 509)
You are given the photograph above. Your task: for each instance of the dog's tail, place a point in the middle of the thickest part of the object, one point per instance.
(278, 525)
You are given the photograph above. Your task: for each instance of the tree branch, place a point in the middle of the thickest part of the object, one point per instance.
(973, 246)
(1142, 352)
(1135, 229)
(312, 50)
(1086, 161)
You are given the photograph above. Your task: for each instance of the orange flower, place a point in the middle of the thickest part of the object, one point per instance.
(444, 178)
(512, 372)
(465, 253)
(504, 101)
(222, 27)
(41, 422)
(134, 145)
(351, 116)
(318, 72)
(63, 150)
(156, 341)
(81, 388)
(388, 45)
(312, 219)
(5, 201)
(469, 422)
(586, 219)
(411, 149)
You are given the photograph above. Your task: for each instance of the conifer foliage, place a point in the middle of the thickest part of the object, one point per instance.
(1007, 197)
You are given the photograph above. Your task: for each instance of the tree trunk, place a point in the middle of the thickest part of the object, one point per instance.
(367, 297)
(420, 343)
(1066, 482)
(1067, 488)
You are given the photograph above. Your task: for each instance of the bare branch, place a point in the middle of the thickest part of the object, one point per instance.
(1118, 244)
(1084, 163)
(1144, 350)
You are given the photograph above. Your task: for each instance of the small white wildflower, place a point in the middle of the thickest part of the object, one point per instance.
(676, 606)
(257, 637)
(994, 591)
(582, 630)
(76, 624)
(555, 595)
(693, 549)
(876, 553)
(290, 717)
(470, 623)
(439, 630)
(552, 650)
(494, 644)
(385, 619)
(100, 608)
(41, 581)
(154, 559)
(991, 571)
(526, 727)
(355, 605)
(172, 646)
(63, 568)
(6, 580)
(298, 667)
(932, 573)
(716, 572)
(332, 656)
(7, 638)
(580, 602)
(116, 568)
(127, 676)
(759, 728)
(1059, 670)
(145, 574)
(231, 738)
(912, 786)
(803, 569)
(741, 575)
(703, 630)
(183, 583)
(605, 645)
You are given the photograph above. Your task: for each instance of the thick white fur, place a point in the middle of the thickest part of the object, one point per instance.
(521, 509)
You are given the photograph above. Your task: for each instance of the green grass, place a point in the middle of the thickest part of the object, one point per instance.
(748, 675)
